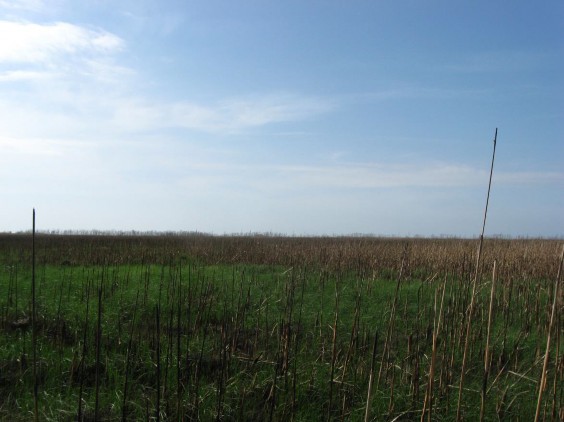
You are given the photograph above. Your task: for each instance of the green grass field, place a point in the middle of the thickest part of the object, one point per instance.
(198, 328)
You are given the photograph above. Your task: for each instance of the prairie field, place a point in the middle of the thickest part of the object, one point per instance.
(186, 327)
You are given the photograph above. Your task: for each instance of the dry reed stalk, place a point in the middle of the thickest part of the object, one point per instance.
(295, 375)
(320, 323)
(158, 365)
(272, 396)
(178, 344)
(287, 329)
(224, 347)
(98, 347)
(487, 356)
(128, 359)
(333, 351)
(474, 284)
(415, 377)
(391, 401)
(557, 365)
(170, 289)
(188, 317)
(350, 353)
(371, 379)
(542, 383)
(428, 403)
(206, 312)
(386, 351)
(34, 325)
(84, 349)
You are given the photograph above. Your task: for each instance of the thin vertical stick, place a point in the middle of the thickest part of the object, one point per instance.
(386, 350)
(81, 365)
(128, 359)
(556, 366)
(542, 383)
(295, 376)
(474, 283)
(333, 350)
(33, 324)
(428, 402)
(178, 348)
(371, 379)
(487, 356)
(158, 365)
(98, 347)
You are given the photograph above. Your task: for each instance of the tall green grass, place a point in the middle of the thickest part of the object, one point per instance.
(167, 335)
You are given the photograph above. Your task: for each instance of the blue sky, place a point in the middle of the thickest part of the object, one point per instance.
(295, 117)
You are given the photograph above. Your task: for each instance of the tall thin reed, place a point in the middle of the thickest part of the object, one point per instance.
(98, 348)
(84, 349)
(128, 359)
(371, 379)
(386, 351)
(349, 355)
(542, 383)
(555, 379)
(158, 365)
(487, 356)
(295, 376)
(428, 404)
(333, 350)
(474, 284)
(178, 345)
(34, 325)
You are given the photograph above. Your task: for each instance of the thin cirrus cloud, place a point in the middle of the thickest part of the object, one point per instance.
(225, 116)
(24, 147)
(368, 176)
(22, 75)
(34, 43)
(65, 52)
(374, 176)
(31, 5)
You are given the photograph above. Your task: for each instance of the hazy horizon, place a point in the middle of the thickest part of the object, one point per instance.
(195, 233)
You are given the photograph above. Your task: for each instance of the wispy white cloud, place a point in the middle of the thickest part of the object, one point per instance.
(368, 176)
(79, 62)
(272, 108)
(530, 178)
(25, 147)
(65, 54)
(376, 176)
(225, 116)
(106, 70)
(22, 75)
(362, 176)
(83, 109)
(58, 78)
(411, 175)
(26, 42)
(31, 5)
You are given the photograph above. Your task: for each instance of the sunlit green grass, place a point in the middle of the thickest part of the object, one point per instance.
(256, 341)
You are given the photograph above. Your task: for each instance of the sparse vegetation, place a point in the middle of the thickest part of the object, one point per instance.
(195, 327)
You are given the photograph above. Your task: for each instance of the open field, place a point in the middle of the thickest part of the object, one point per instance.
(194, 327)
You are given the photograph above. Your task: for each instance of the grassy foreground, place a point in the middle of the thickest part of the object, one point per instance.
(267, 328)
